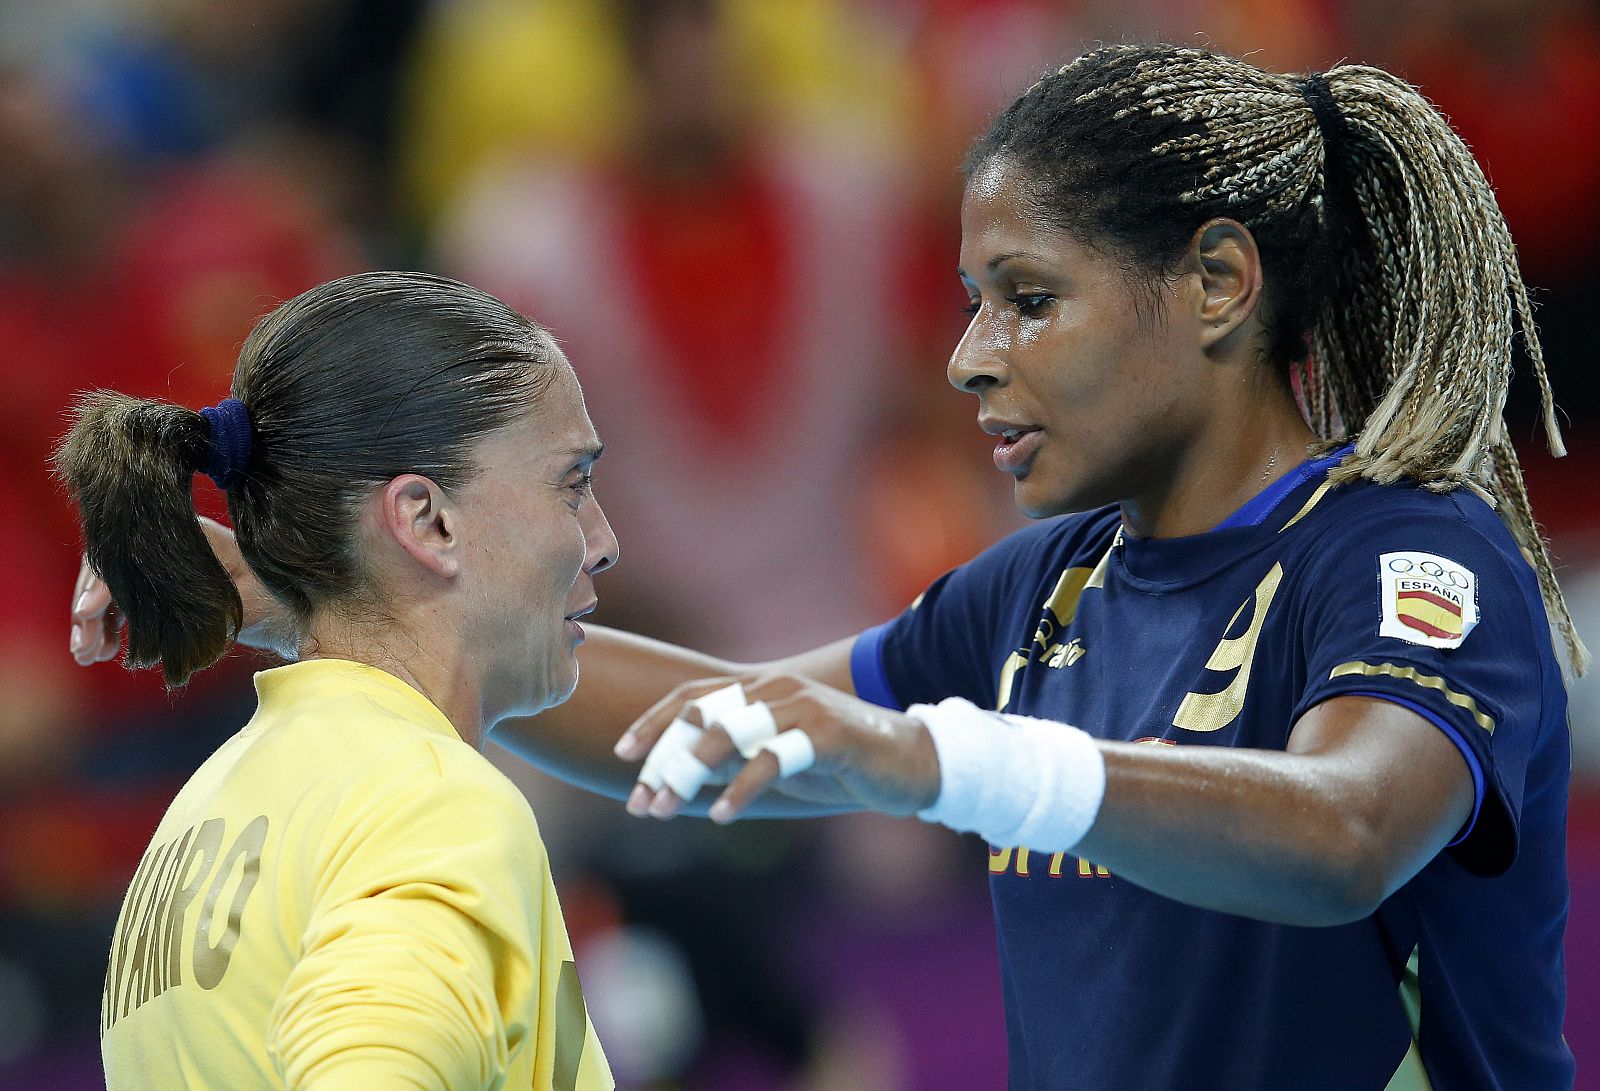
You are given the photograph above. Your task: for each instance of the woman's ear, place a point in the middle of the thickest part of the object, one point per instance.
(416, 515)
(1225, 253)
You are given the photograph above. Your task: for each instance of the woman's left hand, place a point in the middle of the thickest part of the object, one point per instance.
(865, 756)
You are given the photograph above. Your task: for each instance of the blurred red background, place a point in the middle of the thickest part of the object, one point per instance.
(739, 218)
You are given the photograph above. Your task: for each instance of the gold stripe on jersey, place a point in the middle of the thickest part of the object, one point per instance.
(1311, 502)
(1097, 578)
(1008, 678)
(1427, 681)
(1054, 616)
(1063, 601)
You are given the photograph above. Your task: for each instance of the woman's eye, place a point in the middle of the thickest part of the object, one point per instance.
(1029, 304)
(582, 486)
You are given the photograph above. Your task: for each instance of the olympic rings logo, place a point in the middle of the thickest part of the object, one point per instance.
(1404, 565)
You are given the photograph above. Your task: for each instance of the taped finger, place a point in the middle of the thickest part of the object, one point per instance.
(679, 738)
(793, 750)
(684, 773)
(749, 727)
(718, 703)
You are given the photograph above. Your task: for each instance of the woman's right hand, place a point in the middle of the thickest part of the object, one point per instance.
(97, 623)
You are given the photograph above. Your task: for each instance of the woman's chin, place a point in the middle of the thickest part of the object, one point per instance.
(1042, 496)
(1037, 502)
(565, 688)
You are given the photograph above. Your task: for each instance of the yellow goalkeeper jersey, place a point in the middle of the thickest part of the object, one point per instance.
(345, 895)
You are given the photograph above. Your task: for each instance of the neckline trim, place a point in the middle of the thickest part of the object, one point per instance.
(1255, 510)
(293, 680)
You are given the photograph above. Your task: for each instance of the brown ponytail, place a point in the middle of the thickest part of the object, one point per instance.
(128, 463)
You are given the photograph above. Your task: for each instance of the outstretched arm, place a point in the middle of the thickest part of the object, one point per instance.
(1366, 793)
(622, 676)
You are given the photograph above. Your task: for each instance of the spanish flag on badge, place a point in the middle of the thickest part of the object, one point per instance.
(1427, 599)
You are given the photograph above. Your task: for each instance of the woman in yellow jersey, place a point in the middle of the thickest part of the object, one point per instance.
(347, 894)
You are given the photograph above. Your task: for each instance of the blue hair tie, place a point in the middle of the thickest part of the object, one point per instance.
(228, 453)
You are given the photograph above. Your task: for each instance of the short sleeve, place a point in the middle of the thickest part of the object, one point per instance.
(416, 967)
(953, 640)
(1433, 609)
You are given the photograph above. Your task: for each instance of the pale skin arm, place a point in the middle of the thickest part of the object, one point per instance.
(96, 635)
(621, 677)
(1366, 793)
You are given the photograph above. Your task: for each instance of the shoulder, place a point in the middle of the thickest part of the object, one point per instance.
(1388, 543)
(1354, 511)
(420, 800)
(1365, 518)
(372, 751)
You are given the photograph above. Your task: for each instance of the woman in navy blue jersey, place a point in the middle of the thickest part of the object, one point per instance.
(1269, 739)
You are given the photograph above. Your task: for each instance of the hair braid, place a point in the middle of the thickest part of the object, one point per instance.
(1394, 293)
(1434, 326)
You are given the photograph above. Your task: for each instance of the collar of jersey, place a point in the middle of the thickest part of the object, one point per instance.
(1254, 511)
(1166, 564)
(319, 679)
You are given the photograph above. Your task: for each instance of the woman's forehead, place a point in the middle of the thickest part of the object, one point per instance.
(999, 224)
(559, 415)
(992, 176)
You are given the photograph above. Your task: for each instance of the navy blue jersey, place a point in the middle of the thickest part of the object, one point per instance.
(1225, 639)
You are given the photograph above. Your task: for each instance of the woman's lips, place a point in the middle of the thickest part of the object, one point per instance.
(1016, 450)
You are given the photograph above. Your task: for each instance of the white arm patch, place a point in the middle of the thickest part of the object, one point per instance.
(1427, 599)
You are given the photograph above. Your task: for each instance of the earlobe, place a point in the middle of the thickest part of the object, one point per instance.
(1230, 277)
(419, 518)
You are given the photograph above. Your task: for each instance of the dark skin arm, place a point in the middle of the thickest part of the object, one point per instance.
(621, 677)
(1366, 793)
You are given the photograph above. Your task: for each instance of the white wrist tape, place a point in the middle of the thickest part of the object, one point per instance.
(793, 750)
(1014, 780)
(749, 727)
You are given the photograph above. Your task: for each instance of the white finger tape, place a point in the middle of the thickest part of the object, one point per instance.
(793, 750)
(718, 703)
(684, 773)
(679, 737)
(749, 727)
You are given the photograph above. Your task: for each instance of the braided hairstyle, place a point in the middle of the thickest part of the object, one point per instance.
(1393, 294)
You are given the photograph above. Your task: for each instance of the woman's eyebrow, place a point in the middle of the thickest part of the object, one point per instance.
(579, 456)
(998, 260)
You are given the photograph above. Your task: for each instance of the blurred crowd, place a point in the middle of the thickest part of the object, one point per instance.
(739, 217)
